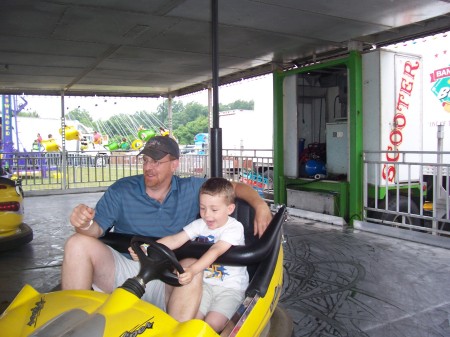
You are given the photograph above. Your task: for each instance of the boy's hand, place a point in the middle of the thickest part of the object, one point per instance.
(186, 277)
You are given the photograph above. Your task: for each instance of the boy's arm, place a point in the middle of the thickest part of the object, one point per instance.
(210, 256)
(174, 241)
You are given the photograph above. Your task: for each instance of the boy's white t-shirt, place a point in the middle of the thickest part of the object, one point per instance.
(232, 232)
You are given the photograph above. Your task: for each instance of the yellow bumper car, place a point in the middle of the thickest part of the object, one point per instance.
(13, 232)
(78, 313)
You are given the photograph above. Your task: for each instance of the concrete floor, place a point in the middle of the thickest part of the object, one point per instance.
(338, 282)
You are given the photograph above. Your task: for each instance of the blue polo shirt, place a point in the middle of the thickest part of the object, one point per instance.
(126, 206)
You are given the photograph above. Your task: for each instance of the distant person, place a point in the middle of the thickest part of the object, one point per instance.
(223, 286)
(163, 132)
(51, 145)
(36, 145)
(97, 137)
(84, 143)
(124, 145)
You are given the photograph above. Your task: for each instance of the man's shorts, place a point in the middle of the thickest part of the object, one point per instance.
(125, 268)
(220, 299)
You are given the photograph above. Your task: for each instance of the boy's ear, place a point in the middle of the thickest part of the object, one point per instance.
(231, 208)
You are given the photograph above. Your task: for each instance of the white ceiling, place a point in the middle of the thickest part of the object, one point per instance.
(157, 47)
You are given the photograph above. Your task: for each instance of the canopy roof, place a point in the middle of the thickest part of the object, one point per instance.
(160, 48)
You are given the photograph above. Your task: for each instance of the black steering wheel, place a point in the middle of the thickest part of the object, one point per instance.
(159, 263)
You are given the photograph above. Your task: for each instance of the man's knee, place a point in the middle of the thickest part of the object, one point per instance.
(80, 244)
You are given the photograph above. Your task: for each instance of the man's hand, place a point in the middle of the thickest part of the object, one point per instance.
(82, 218)
(263, 216)
(134, 256)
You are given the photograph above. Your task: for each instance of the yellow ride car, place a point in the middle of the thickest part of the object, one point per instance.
(13, 232)
(87, 313)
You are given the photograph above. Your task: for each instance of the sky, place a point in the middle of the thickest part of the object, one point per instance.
(101, 108)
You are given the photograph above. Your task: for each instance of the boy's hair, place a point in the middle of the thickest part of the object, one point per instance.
(219, 186)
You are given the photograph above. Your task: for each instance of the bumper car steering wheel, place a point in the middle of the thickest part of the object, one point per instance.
(159, 264)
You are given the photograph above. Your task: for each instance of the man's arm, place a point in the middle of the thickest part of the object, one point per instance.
(82, 219)
(263, 215)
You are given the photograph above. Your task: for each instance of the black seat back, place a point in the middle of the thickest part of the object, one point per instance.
(245, 214)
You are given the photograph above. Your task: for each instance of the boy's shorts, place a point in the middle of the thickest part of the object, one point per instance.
(220, 299)
(125, 268)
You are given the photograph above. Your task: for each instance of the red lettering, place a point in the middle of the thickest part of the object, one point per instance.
(406, 86)
(395, 155)
(400, 121)
(401, 103)
(410, 69)
(388, 173)
(396, 137)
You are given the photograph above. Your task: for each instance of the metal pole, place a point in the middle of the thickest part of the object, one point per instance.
(216, 131)
(210, 111)
(169, 115)
(63, 137)
(438, 198)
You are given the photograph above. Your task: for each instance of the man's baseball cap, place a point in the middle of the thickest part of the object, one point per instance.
(160, 146)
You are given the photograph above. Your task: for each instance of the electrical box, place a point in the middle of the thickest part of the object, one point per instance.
(337, 148)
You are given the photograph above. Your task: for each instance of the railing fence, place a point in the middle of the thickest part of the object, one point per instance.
(408, 189)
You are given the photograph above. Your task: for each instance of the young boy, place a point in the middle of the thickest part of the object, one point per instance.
(223, 286)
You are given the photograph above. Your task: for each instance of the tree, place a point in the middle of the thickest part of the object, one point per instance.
(162, 112)
(81, 115)
(32, 114)
(185, 134)
(191, 112)
(239, 104)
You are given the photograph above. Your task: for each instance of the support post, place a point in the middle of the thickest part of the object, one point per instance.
(216, 132)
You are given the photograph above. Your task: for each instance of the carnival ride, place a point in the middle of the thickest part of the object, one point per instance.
(122, 313)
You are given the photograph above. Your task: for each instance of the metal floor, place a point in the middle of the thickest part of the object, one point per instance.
(338, 282)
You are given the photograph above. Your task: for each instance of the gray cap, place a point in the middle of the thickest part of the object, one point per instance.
(160, 146)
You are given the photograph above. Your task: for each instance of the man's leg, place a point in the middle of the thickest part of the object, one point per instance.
(183, 302)
(86, 261)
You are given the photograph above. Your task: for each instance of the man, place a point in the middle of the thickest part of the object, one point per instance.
(156, 203)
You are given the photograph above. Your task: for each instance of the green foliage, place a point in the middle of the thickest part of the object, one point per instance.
(236, 105)
(81, 115)
(32, 114)
(162, 112)
(191, 112)
(185, 133)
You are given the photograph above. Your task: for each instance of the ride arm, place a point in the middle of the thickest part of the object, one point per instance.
(263, 215)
